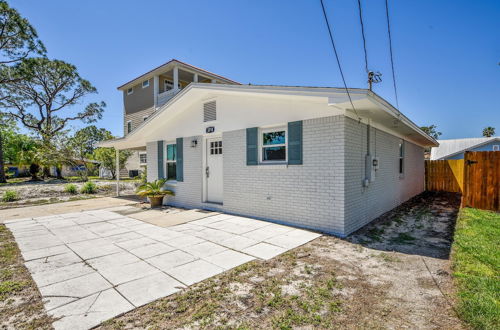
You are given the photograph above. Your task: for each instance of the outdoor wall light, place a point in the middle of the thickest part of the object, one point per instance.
(194, 143)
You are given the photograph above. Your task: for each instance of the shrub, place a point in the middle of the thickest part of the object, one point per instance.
(9, 196)
(71, 188)
(89, 188)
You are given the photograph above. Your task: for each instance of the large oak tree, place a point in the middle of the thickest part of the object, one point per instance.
(44, 99)
(18, 40)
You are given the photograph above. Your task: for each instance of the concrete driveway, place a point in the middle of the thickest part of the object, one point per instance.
(93, 265)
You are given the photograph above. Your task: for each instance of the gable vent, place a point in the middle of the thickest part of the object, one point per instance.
(209, 111)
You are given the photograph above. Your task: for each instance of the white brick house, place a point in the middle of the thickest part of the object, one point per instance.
(293, 155)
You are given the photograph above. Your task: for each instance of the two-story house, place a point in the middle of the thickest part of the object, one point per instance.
(144, 95)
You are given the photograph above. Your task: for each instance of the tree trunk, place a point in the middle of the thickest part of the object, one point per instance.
(59, 172)
(2, 169)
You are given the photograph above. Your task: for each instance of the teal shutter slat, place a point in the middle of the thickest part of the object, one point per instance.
(160, 160)
(180, 160)
(295, 143)
(252, 147)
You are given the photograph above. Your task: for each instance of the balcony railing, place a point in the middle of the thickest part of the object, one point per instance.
(165, 96)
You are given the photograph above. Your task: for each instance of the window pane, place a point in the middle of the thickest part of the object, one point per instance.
(274, 153)
(401, 150)
(273, 138)
(171, 171)
(401, 165)
(171, 151)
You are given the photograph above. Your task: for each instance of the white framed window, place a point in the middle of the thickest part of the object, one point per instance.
(273, 144)
(496, 147)
(171, 161)
(129, 126)
(145, 83)
(130, 91)
(401, 157)
(143, 158)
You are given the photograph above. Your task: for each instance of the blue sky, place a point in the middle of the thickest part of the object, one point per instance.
(447, 53)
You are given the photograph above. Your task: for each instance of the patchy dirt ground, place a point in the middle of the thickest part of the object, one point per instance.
(52, 191)
(20, 301)
(393, 273)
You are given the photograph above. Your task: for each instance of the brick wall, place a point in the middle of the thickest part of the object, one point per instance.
(325, 193)
(152, 159)
(308, 195)
(189, 192)
(363, 204)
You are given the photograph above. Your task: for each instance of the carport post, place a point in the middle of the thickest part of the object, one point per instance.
(117, 171)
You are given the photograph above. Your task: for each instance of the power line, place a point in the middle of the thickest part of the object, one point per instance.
(337, 57)
(390, 50)
(363, 34)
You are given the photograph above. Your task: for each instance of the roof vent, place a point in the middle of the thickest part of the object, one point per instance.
(209, 111)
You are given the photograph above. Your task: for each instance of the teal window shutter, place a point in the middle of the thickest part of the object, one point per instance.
(252, 146)
(160, 160)
(295, 143)
(180, 160)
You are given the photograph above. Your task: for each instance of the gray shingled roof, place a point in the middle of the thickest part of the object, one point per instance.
(451, 147)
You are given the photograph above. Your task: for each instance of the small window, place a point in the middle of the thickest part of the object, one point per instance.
(145, 118)
(130, 91)
(171, 165)
(129, 126)
(216, 148)
(496, 147)
(143, 158)
(145, 83)
(209, 111)
(273, 145)
(401, 157)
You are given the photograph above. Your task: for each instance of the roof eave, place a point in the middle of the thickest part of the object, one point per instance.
(164, 65)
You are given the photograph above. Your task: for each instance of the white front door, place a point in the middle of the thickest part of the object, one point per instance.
(213, 171)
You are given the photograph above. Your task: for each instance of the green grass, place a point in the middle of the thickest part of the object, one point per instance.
(476, 267)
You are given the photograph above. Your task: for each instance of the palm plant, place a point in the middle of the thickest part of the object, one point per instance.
(154, 191)
(489, 131)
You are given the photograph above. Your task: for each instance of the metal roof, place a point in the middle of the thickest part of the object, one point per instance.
(454, 146)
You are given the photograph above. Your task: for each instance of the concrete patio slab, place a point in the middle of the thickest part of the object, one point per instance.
(229, 259)
(170, 260)
(149, 288)
(90, 311)
(94, 265)
(264, 251)
(194, 272)
(151, 250)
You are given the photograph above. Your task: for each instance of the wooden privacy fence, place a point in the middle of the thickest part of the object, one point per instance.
(476, 177)
(444, 175)
(482, 180)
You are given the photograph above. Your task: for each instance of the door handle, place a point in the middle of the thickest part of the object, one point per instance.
(207, 171)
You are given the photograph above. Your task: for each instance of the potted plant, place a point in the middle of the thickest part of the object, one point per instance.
(154, 191)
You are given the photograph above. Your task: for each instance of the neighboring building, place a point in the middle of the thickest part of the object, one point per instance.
(292, 155)
(74, 169)
(455, 149)
(143, 95)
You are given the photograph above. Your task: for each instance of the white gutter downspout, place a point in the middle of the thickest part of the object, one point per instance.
(368, 157)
